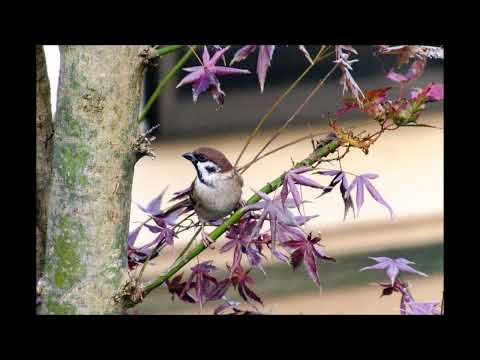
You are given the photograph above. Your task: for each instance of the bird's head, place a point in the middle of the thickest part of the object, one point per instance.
(209, 163)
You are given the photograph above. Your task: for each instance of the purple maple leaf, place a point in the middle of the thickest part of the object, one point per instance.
(153, 207)
(339, 177)
(282, 233)
(275, 210)
(176, 287)
(213, 291)
(305, 251)
(393, 267)
(241, 280)
(362, 181)
(218, 291)
(423, 308)
(140, 255)
(401, 287)
(201, 281)
(228, 304)
(240, 239)
(431, 92)
(132, 236)
(204, 77)
(397, 286)
(233, 305)
(165, 234)
(414, 72)
(134, 255)
(405, 52)
(344, 64)
(293, 177)
(265, 54)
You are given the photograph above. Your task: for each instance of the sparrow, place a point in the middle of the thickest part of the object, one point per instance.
(216, 190)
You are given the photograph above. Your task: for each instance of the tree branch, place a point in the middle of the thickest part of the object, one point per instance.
(150, 54)
(314, 157)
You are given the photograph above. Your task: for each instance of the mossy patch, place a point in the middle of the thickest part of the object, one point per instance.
(70, 161)
(60, 309)
(73, 77)
(128, 164)
(68, 239)
(72, 126)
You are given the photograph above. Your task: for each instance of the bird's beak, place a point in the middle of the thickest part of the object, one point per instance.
(189, 156)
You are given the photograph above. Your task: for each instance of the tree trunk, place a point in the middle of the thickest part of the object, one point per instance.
(44, 154)
(92, 172)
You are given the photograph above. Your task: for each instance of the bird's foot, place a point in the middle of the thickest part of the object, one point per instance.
(207, 240)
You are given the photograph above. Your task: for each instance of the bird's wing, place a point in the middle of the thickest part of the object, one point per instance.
(182, 193)
(187, 203)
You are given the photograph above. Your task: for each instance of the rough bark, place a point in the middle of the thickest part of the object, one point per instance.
(44, 128)
(92, 172)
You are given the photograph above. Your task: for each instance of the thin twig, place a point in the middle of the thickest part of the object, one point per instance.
(188, 245)
(303, 138)
(339, 157)
(279, 101)
(300, 108)
(283, 147)
(159, 247)
(195, 53)
(442, 308)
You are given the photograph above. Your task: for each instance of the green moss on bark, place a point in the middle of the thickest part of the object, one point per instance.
(68, 241)
(56, 308)
(70, 160)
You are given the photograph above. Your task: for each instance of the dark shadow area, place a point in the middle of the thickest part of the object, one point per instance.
(282, 281)
(245, 105)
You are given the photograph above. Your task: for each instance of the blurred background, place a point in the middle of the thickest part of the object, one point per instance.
(409, 162)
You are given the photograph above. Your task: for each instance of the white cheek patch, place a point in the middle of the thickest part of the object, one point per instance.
(208, 169)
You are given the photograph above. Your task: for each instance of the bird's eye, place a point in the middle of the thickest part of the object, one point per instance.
(200, 157)
(210, 169)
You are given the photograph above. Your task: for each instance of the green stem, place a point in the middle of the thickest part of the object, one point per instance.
(215, 234)
(164, 81)
(167, 49)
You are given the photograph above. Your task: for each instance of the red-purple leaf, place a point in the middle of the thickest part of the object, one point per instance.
(133, 236)
(153, 207)
(252, 295)
(296, 258)
(360, 197)
(219, 290)
(311, 266)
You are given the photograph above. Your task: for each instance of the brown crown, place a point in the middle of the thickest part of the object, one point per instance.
(215, 156)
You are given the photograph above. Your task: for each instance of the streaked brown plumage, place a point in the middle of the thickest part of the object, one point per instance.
(217, 189)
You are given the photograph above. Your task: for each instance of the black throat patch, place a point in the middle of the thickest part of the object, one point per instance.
(200, 177)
